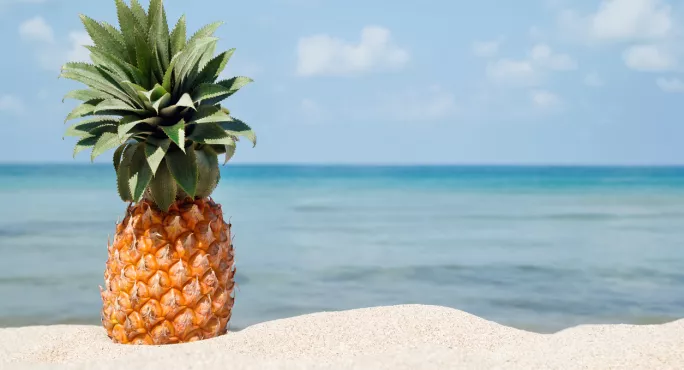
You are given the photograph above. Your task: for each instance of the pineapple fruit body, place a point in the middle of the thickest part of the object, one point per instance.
(170, 275)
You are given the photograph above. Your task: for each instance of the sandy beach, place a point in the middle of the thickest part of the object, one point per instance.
(397, 337)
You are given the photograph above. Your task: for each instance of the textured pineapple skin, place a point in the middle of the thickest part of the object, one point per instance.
(169, 276)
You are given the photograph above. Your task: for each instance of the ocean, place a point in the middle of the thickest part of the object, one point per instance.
(538, 248)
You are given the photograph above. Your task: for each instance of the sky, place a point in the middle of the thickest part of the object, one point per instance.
(394, 82)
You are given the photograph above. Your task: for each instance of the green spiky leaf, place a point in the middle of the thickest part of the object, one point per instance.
(125, 70)
(158, 39)
(208, 133)
(176, 133)
(140, 92)
(154, 11)
(113, 105)
(85, 143)
(238, 128)
(236, 83)
(140, 16)
(163, 187)
(210, 114)
(219, 149)
(162, 102)
(144, 57)
(155, 79)
(114, 33)
(85, 95)
(167, 82)
(203, 112)
(155, 150)
(96, 77)
(188, 61)
(140, 173)
(205, 31)
(209, 91)
(205, 57)
(157, 75)
(211, 94)
(107, 141)
(103, 37)
(83, 110)
(214, 68)
(117, 156)
(208, 171)
(178, 36)
(90, 79)
(230, 152)
(156, 93)
(128, 25)
(186, 101)
(127, 123)
(135, 87)
(183, 167)
(120, 91)
(123, 172)
(92, 126)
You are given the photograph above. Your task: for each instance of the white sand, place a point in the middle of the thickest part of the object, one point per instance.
(399, 337)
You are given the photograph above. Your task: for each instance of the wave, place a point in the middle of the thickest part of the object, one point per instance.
(495, 274)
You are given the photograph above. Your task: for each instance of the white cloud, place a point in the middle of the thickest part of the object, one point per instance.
(529, 71)
(11, 104)
(486, 48)
(544, 99)
(544, 56)
(648, 27)
(512, 71)
(671, 85)
(632, 19)
(622, 20)
(326, 55)
(649, 58)
(50, 52)
(433, 103)
(36, 29)
(593, 79)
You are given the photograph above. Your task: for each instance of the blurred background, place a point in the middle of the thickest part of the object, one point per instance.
(516, 161)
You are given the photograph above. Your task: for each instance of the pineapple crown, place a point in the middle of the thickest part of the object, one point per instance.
(153, 95)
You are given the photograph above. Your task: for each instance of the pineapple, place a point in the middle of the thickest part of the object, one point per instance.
(154, 97)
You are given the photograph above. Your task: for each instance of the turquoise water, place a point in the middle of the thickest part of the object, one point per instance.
(539, 248)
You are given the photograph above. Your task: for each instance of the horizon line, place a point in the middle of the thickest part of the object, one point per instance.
(378, 164)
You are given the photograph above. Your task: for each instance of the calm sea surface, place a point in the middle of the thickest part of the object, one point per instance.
(539, 248)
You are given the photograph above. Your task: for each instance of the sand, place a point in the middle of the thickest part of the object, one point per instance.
(398, 337)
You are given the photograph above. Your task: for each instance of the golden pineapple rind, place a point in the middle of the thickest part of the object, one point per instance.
(170, 275)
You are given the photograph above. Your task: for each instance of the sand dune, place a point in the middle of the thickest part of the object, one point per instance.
(398, 337)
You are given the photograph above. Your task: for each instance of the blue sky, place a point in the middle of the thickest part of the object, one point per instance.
(500, 82)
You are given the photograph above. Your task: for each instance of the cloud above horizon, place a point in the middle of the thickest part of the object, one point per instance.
(486, 49)
(621, 21)
(322, 54)
(552, 74)
(531, 70)
(50, 52)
